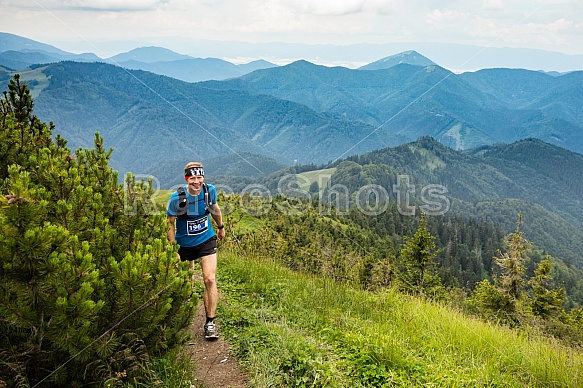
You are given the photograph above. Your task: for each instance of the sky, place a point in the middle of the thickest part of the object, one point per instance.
(108, 27)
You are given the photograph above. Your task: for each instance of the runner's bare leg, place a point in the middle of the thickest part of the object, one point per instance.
(191, 267)
(211, 294)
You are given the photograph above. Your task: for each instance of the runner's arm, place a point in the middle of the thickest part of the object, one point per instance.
(215, 211)
(172, 228)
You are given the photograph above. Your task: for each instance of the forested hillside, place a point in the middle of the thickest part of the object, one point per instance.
(491, 184)
(445, 258)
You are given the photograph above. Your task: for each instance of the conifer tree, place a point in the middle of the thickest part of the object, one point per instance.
(502, 299)
(511, 278)
(417, 254)
(547, 302)
(90, 288)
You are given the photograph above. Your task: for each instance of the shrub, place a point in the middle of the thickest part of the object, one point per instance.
(90, 288)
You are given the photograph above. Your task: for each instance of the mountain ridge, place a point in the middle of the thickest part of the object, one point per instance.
(18, 53)
(410, 57)
(276, 112)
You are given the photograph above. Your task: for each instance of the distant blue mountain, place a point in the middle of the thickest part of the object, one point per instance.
(197, 69)
(18, 53)
(410, 57)
(11, 42)
(405, 102)
(183, 67)
(147, 55)
(20, 59)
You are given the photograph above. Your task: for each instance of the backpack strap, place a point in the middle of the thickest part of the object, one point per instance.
(207, 200)
(182, 213)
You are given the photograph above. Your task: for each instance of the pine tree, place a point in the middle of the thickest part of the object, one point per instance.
(547, 302)
(502, 299)
(90, 288)
(511, 278)
(417, 254)
(22, 133)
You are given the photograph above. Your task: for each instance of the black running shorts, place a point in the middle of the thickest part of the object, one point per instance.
(208, 247)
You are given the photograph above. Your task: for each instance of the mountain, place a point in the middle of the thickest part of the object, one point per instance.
(462, 111)
(20, 59)
(255, 65)
(18, 53)
(495, 183)
(455, 57)
(147, 55)
(11, 42)
(183, 67)
(196, 69)
(305, 113)
(151, 118)
(221, 170)
(410, 57)
(405, 102)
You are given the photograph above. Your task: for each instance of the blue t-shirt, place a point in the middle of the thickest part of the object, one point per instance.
(197, 228)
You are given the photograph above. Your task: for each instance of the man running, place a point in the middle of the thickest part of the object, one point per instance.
(188, 213)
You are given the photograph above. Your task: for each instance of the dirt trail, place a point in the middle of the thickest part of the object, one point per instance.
(215, 367)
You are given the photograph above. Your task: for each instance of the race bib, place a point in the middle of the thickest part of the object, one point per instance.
(194, 227)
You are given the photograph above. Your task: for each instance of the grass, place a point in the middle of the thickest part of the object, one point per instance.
(174, 370)
(314, 176)
(36, 75)
(291, 329)
(161, 198)
(320, 176)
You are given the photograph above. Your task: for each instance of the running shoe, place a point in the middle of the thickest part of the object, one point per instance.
(210, 331)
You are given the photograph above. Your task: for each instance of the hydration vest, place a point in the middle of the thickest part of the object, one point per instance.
(182, 212)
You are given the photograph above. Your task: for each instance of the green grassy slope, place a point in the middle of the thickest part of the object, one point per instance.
(291, 329)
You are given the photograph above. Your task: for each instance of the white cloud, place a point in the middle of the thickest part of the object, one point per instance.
(86, 5)
(547, 35)
(115, 5)
(325, 7)
(446, 18)
(493, 5)
(340, 7)
(383, 7)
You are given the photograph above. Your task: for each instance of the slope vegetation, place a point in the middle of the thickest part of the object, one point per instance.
(291, 329)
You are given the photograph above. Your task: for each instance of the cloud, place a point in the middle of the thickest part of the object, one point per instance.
(446, 17)
(553, 33)
(547, 24)
(326, 7)
(383, 7)
(493, 5)
(115, 5)
(340, 7)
